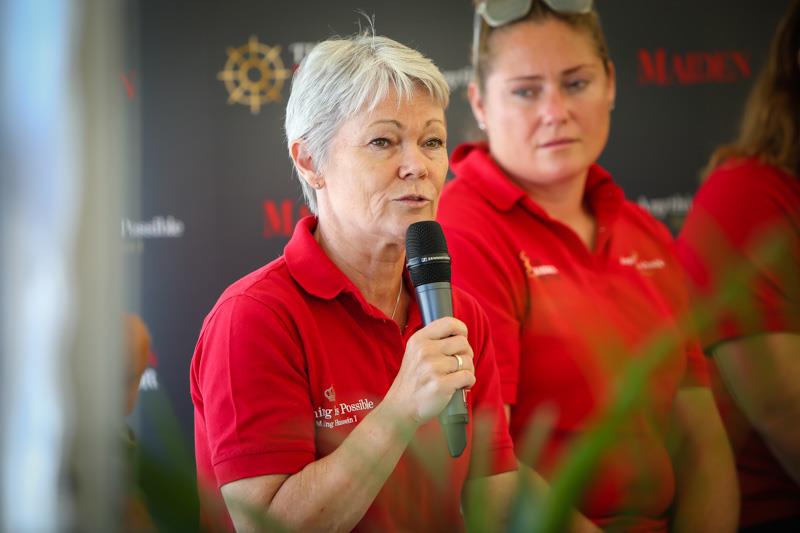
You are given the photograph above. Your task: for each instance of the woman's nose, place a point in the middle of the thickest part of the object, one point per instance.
(413, 164)
(554, 107)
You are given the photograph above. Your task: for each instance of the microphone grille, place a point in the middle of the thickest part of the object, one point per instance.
(427, 254)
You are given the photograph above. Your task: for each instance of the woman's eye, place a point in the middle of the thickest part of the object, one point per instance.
(435, 142)
(525, 92)
(577, 85)
(380, 142)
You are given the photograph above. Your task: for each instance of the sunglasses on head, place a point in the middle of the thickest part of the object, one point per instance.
(498, 13)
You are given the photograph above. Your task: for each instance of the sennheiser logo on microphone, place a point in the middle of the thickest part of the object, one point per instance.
(416, 261)
(427, 259)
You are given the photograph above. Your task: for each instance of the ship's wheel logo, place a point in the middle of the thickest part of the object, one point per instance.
(254, 74)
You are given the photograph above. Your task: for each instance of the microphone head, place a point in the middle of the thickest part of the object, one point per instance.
(427, 257)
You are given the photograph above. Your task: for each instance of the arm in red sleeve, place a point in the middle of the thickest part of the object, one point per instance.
(742, 241)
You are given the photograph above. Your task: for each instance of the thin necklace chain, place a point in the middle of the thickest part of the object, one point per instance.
(397, 301)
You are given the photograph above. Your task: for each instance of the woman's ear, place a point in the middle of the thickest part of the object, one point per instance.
(304, 163)
(476, 102)
(612, 85)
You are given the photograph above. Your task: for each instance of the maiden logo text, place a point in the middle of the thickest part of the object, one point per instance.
(658, 67)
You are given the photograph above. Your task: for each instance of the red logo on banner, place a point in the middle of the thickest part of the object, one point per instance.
(128, 82)
(279, 220)
(658, 67)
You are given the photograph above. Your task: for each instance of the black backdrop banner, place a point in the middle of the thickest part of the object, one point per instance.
(207, 84)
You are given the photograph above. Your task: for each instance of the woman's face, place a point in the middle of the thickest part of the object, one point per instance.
(386, 168)
(546, 102)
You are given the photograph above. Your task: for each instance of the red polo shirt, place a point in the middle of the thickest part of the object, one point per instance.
(567, 321)
(745, 221)
(292, 357)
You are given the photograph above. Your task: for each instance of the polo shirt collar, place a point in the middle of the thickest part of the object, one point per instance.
(472, 161)
(310, 266)
(316, 274)
(604, 197)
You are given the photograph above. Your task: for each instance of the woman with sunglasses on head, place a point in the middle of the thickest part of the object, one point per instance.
(744, 227)
(576, 280)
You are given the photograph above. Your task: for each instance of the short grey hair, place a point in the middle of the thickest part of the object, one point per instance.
(341, 77)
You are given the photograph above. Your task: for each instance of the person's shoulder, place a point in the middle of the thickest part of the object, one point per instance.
(461, 199)
(467, 215)
(635, 215)
(479, 192)
(268, 288)
(745, 196)
(746, 180)
(747, 169)
(744, 203)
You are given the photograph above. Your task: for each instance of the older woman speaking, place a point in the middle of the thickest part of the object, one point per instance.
(315, 384)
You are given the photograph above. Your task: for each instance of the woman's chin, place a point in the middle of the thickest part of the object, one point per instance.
(427, 214)
(558, 172)
(407, 219)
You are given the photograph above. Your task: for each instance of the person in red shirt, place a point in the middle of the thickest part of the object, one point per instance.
(742, 238)
(578, 282)
(315, 385)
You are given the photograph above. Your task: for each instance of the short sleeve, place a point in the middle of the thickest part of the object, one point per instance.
(250, 374)
(741, 250)
(485, 277)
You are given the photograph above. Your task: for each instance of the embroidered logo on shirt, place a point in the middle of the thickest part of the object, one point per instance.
(643, 265)
(341, 414)
(536, 271)
(629, 260)
(653, 264)
(330, 394)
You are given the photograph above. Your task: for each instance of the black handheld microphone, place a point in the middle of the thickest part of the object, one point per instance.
(428, 264)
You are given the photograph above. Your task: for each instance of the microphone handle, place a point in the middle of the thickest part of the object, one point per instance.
(436, 301)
